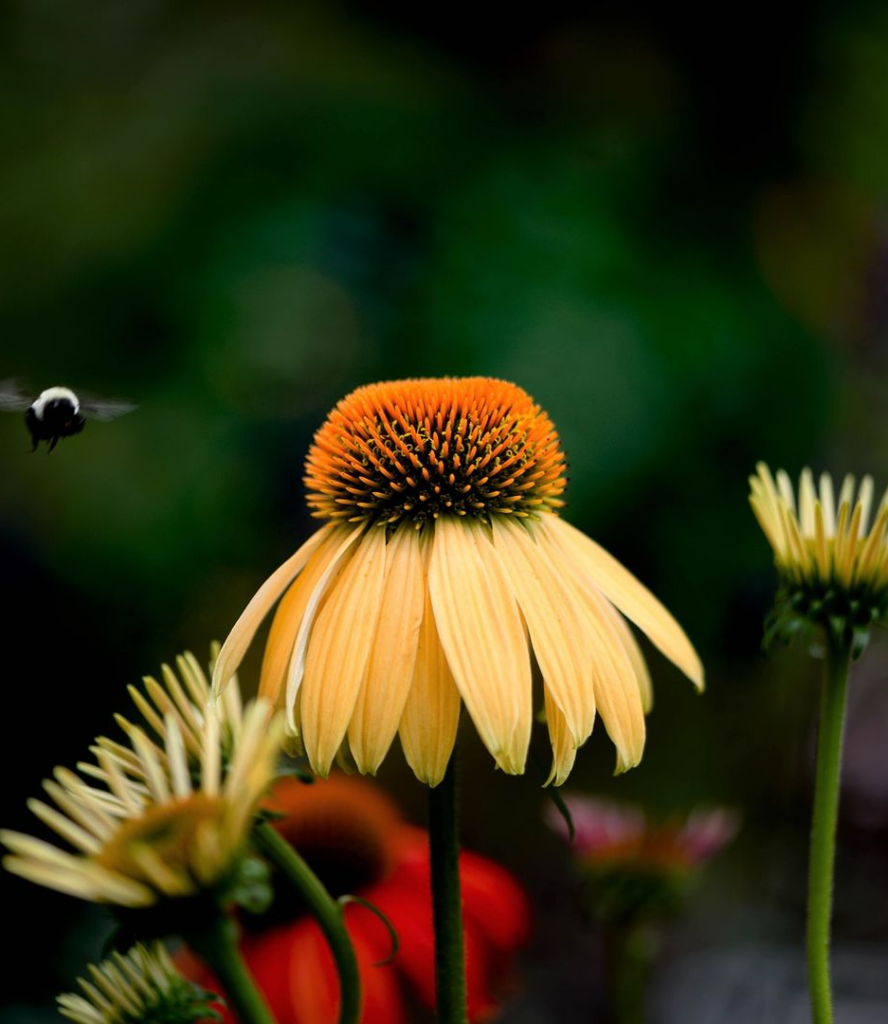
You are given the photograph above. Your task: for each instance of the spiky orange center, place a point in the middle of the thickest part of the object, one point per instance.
(418, 449)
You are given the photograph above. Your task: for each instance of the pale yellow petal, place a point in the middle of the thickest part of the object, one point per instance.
(564, 749)
(633, 599)
(787, 493)
(796, 551)
(66, 828)
(431, 713)
(634, 653)
(821, 547)
(828, 501)
(865, 499)
(389, 672)
(292, 741)
(339, 649)
(807, 498)
(846, 494)
(768, 517)
(92, 822)
(348, 542)
(289, 614)
(84, 879)
(482, 635)
(243, 631)
(617, 692)
(616, 689)
(555, 619)
(872, 549)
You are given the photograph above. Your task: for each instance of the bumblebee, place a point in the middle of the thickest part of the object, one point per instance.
(57, 412)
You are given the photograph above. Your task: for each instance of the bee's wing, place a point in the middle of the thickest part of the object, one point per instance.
(13, 397)
(104, 408)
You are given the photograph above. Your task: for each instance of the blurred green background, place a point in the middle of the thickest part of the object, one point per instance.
(669, 227)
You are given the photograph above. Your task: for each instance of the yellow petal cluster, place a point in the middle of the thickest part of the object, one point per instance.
(823, 537)
(181, 695)
(830, 549)
(142, 985)
(147, 832)
(444, 570)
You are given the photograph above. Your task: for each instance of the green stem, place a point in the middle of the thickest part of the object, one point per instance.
(630, 953)
(326, 911)
(216, 944)
(450, 965)
(823, 829)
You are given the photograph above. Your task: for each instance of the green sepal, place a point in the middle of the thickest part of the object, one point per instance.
(250, 886)
(624, 895)
(295, 771)
(185, 1003)
(265, 815)
(801, 610)
(859, 641)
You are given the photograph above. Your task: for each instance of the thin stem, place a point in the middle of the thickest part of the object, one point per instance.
(630, 955)
(326, 911)
(215, 942)
(823, 829)
(450, 964)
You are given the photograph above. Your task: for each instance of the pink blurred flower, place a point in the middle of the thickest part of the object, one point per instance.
(608, 833)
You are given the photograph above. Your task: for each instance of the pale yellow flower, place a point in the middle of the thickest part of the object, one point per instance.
(823, 538)
(832, 562)
(443, 565)
(143, 985)
(148, 833)
(186, 697)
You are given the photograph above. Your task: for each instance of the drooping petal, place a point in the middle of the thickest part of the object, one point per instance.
(482, 636)
(243, 631)
(564, 749)
(431, 713)
(390, 669)
(288, 617)
(324, 585)
(633, 652)
(555, 619)
(633, 599)
(616, 687)
(339, 649)
(617, 692)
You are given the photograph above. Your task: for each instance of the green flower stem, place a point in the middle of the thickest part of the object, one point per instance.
(326, 911)
(450, 964)
(215, 942)
(630, 951)
(823, 829)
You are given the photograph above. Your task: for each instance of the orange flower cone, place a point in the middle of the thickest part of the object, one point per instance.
(443, 569)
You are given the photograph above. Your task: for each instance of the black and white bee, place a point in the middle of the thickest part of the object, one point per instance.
(57, 412)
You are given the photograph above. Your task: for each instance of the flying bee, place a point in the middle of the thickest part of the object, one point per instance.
(57, 412)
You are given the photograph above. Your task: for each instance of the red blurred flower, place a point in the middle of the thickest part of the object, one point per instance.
(354, 837)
